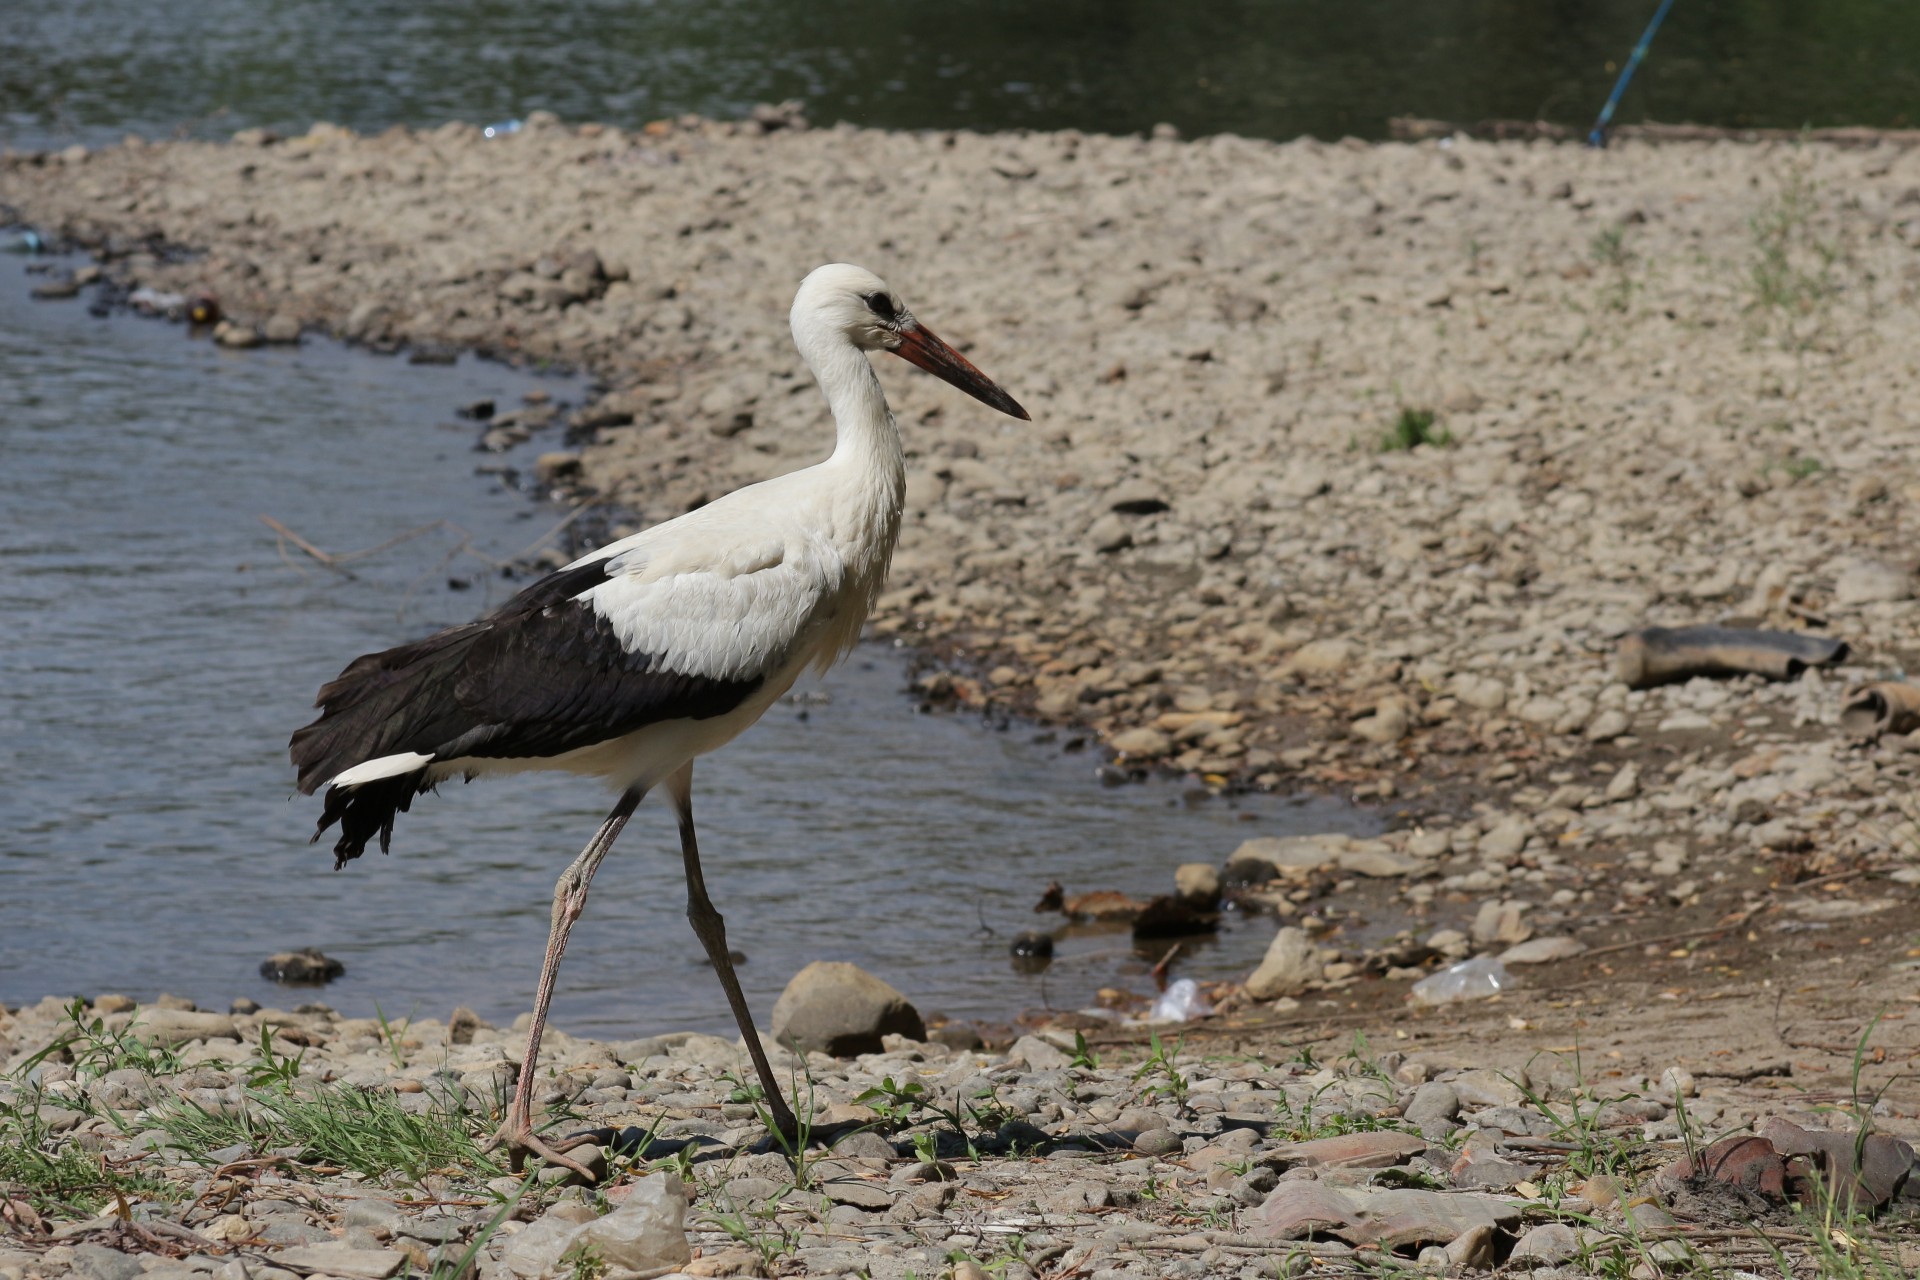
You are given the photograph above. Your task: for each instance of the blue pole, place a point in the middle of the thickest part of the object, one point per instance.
(1598, 137)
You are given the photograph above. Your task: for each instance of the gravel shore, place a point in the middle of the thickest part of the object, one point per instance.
(1351, 467)
(268, 1145)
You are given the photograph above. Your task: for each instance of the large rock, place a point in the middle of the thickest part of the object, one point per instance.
(1289, 966)
(178, 1026)
(645, 1234)
(841, 1009)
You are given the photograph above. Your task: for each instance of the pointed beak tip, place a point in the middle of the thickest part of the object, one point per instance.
(919, 347)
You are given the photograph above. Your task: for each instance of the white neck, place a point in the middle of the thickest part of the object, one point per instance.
(868, 441)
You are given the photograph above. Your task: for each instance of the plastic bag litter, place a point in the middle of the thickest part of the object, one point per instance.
(1474, 979)
(1180, 1002)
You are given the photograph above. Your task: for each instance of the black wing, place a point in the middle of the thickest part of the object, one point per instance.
(543, 675)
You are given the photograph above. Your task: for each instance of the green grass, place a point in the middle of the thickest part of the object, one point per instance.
(63, 1180)
(1411, 429)
(365, 1132)
(1790, 270)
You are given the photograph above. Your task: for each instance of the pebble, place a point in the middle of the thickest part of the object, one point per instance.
(1290, 966)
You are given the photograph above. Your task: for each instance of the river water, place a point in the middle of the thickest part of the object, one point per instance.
(90, 70)
(160, 644)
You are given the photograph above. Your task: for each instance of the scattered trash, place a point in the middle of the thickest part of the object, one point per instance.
(1786, 1162)
(203, 308)
(1180, 1002)
(503, 128)
(22, 240)
(1665, 655)
(1875, 709)
(151, 301)
(1474, 979)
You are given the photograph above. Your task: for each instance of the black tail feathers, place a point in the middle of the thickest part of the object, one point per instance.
(368, 810)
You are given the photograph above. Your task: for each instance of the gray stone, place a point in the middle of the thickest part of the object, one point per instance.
(1542, 950)
(178, 1026)
(1486, 1087)
(1871, 582)
(1548, 1244)
(229, 333)
(1378, 863)
(339, 1260)
(1158, 1142)
(1608, 725)
(97, 1262)
(536, 1251)
(648, 1229)
(1434, 1108)
(1500, 922)
(1197, 882)
(1289, 967)
(840, 1009)
(1038, 1054)
(1109, 533)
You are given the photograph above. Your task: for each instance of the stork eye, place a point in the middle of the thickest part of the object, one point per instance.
(881, 305)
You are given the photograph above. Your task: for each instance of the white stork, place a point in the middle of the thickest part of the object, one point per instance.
(636, 659)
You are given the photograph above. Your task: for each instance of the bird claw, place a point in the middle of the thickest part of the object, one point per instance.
(521, 1141)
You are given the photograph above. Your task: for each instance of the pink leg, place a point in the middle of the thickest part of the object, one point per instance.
(569, 900)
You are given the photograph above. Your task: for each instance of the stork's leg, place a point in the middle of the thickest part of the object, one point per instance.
(712, 932)
(569, 900)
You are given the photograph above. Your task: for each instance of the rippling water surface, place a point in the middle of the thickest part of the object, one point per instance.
(89, 70)
(158, 646)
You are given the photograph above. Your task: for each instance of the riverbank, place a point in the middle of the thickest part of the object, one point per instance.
(1350, 464)
(1350, 467)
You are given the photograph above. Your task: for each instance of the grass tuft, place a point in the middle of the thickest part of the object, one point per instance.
(62, 1180)
(1413, 428)
(368, 1133)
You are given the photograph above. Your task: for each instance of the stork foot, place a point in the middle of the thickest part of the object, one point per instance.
(516, 1135)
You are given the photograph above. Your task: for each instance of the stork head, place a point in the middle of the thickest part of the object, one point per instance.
(857, 306)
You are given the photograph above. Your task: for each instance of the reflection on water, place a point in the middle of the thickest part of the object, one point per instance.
(159, 649)
(93, 69)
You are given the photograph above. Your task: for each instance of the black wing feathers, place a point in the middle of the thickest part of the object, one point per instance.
(541, 676)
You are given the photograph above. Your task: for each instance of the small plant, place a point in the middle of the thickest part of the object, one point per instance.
(95, 1049)
(272, 1069)
(894, 1102)
(795, 1146)
(1173, 1082)
(1411, 429)
(758, 1230)
(391, 1036)
(1791, 272)
(1083, 1057)
(583, 1262)
(1609, 248)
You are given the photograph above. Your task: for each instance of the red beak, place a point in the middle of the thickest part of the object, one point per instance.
(919, 347)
